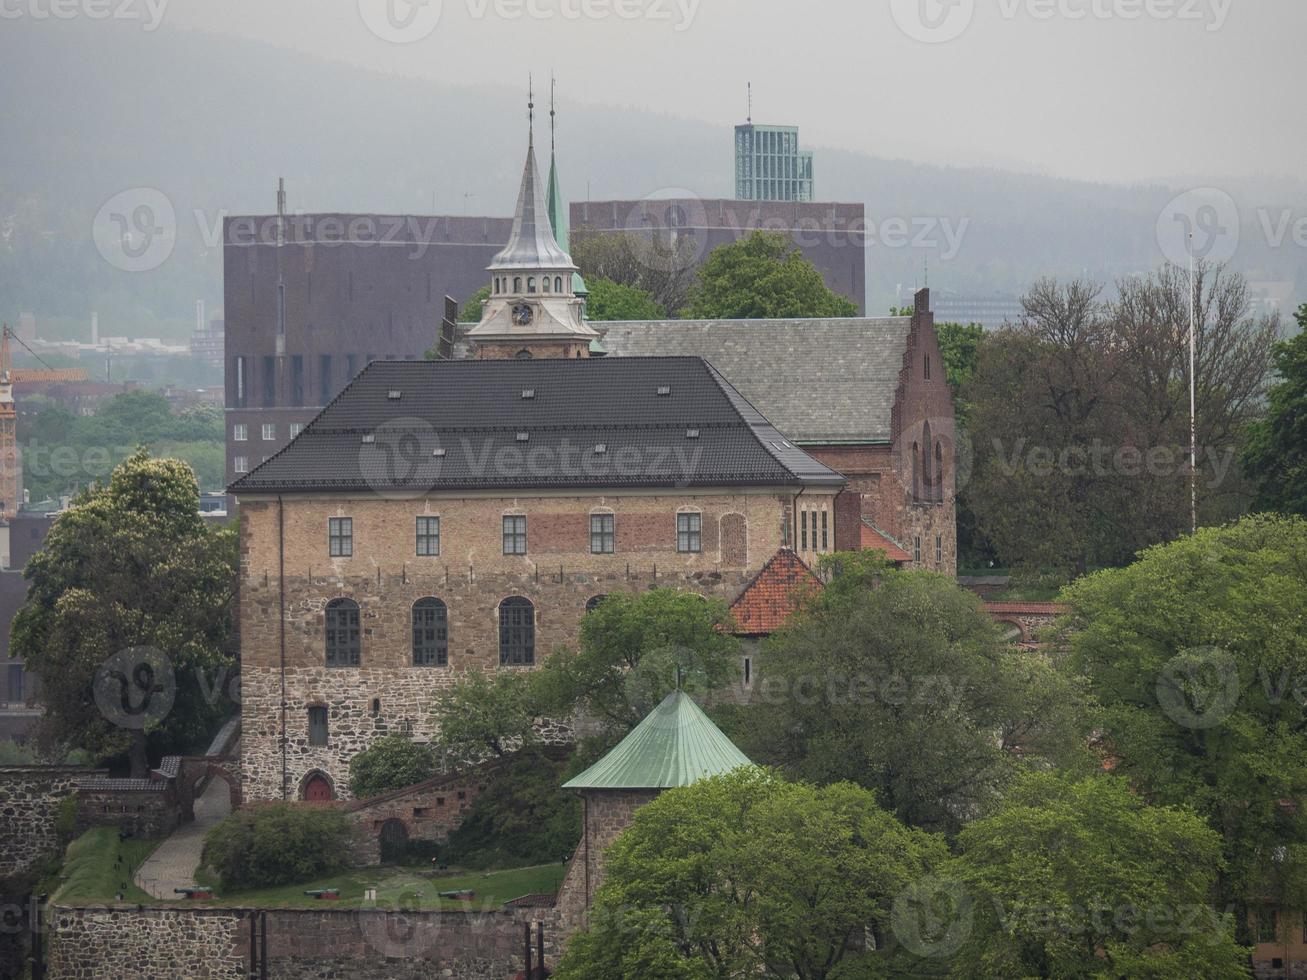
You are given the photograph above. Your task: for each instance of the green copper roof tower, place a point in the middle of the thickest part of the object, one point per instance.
(676, 745)
(557, 207)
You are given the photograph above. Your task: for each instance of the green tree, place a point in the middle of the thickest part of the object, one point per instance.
(1084, 879)
(747, 875)
(131, 568)
(899, 681)
(1197, 654)
(277, 844)
(471, 310)
(1276, 454)
(762, 276)
(610, 300)
(657, 264)
(487, 716)
(634, 649)
(391, 762)
(523, 817)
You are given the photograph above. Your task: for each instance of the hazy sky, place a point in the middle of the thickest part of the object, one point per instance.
(1114, 90)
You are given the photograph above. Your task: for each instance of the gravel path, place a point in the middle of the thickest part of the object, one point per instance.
(173, 863)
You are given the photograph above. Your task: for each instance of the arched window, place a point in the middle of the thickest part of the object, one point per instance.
(939, 471)
(593, 602)
(517, 284)
(916, 471)
(344, 635)
(517, 632)
(558, 284)
(927, 467)
(544, 284)
(430, 633)
(524, 355)
(530, 284)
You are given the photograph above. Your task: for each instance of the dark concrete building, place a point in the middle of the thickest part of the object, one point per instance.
(831, 236)
(310, 299)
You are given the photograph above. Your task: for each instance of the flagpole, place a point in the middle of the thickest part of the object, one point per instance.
(1193, 399)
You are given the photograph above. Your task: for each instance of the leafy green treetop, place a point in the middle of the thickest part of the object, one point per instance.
(748, 875)
(610, 300)
(128, 619)
(1276, 453)
(763, 276)
(391, 762)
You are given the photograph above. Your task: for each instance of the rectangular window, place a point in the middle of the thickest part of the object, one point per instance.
(602, 538)
(746, 671)
(351, 366)
(825, 531)
(340, 537)
(15, 684)
(269, 431)
(515, 535)
(317, 726)
(939, 549)
(927, 367)
(1268, 926)
(428, 536)
(241, 464)
(269, 382)
(294, 429)
(241, 382)
(916, 549)
(803, 523)
(689, 538)
(240, 432)
(297, 380)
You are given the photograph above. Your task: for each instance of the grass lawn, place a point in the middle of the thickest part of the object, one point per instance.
(98, 864)
(401, 888)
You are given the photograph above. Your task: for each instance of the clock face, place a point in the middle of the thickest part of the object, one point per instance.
(522, 314)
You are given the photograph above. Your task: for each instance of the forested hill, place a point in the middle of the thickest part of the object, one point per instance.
(94, 108)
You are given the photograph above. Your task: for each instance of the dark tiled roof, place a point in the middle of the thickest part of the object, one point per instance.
(117, 785)
(383, 433)
(532, 902)
(819, 380)
(773, 596)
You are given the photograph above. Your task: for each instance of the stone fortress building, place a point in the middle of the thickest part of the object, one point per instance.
(439, 518)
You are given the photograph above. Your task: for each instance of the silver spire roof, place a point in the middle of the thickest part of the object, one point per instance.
(532, 244)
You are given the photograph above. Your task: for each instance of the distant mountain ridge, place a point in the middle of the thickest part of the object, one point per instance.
(95, 109)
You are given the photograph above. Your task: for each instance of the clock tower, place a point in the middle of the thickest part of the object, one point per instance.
(533, 309)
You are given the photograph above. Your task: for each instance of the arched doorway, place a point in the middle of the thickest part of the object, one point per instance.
(394, 841)
(317, 789)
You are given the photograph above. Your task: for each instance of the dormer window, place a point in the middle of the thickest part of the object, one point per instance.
(558, 284)
(530, 284)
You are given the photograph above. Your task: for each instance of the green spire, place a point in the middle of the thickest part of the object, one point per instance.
(676, 745)
(556, 205)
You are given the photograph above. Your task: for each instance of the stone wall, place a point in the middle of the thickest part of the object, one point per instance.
(202, 943)
(151, 811)
(604, 815)
(386, 693)
(147, 943)
(29, 802)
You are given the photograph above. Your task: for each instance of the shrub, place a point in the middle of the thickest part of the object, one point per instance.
(391, 762)
(523, 817)
(277, 844)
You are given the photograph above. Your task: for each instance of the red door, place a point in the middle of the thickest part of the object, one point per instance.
(317, 790)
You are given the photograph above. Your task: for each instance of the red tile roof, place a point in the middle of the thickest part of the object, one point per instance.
(877, 540)
(774, 594)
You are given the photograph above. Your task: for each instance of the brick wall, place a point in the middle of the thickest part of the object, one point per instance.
(471, 576)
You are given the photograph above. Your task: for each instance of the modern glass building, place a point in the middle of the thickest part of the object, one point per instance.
(769, 166)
